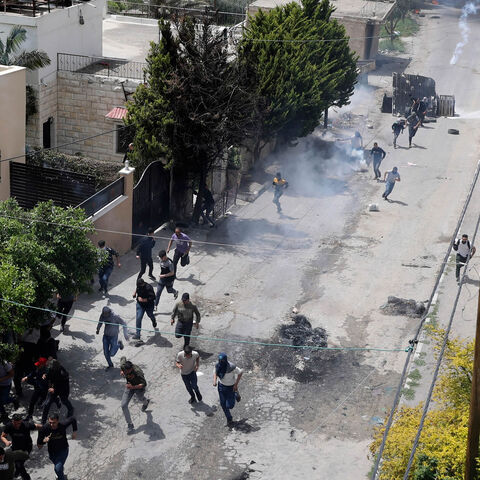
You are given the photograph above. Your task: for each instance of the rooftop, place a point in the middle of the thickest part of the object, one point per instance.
(33, 8)
(344, 8)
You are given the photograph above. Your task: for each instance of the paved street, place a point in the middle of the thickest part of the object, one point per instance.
(302, 413)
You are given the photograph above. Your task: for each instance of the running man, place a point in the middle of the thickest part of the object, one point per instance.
(136, 385)
(397, 128)
(413, 124)
(166, 277)
(110, 340)
(183, 244)
(54, 434)
(390, 178)
(188, 361)
(279, 184)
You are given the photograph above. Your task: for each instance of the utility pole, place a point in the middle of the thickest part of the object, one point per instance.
(474, 421)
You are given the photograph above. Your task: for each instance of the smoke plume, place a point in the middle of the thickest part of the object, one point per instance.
(468, 9)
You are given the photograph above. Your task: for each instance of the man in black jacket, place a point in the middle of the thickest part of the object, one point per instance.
(144, 253)
(145, 303)
(38, 379)
(54, 433)
(19, 432)
(59, 387)
(378, 154)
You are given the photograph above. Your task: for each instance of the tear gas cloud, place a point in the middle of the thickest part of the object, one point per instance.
(468, 9)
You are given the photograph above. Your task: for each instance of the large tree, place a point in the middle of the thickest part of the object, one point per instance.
(299, 64)
(42, 251)
(194, 106)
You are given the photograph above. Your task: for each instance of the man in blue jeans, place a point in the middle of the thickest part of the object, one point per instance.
(54, 434)
(227, 374)
(390, 178)
(145, 303)
(106, 267)
(111, 343)
(188, 361)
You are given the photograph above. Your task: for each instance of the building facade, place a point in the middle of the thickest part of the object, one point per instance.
(12, 122)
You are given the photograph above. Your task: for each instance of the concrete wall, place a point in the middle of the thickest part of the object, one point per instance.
(360, 30)
(83, 102)
(12, 121)
(117, 216)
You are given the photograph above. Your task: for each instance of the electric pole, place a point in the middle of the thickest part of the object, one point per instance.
(474, 421)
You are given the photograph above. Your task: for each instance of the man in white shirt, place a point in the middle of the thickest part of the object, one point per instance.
(227, 375)
(464, 251)
(188, 361)
(390, 178)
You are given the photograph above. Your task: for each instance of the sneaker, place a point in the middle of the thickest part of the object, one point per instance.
(120, 345)
(192, 400)
(107, 368)
(154, 323)
(175, 295)
(130, 427)
(136, 337)
(145, 404)
(199, 396)
(230, 423)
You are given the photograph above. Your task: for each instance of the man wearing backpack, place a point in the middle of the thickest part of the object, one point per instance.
(464, 251)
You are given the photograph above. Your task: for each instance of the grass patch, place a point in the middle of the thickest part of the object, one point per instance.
(406, 27)
(396, 46)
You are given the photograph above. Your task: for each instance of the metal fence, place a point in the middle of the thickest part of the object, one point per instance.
(141, 9)
(31, 184)
(107, 67)
(102, 198)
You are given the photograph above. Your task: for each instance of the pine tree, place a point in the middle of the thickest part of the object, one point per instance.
(298, 63)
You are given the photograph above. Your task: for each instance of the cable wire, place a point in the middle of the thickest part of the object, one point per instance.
(62, 145)
(420, 327)
(211, 339)
(437, 367)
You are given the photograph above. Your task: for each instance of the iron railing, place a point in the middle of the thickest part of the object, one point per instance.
(104, 66)
(102, 198)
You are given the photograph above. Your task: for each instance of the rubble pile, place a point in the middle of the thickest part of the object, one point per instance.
(302, 333)
(401, 306)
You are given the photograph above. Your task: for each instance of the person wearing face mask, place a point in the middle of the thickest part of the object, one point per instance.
(464, 252)
(227, 375)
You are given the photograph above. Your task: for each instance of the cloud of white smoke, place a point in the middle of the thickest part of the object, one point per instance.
(468, 9)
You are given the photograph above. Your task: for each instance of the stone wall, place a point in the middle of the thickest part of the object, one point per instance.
(82, 103)
(46, 108)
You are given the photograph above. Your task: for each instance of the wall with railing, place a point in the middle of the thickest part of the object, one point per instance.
(111, 210)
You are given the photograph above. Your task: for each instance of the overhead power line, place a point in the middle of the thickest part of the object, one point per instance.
(214, 339)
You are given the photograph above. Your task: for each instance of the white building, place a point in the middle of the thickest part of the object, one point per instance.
(76, 30)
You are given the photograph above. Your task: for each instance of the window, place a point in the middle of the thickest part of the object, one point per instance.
(123, 136)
